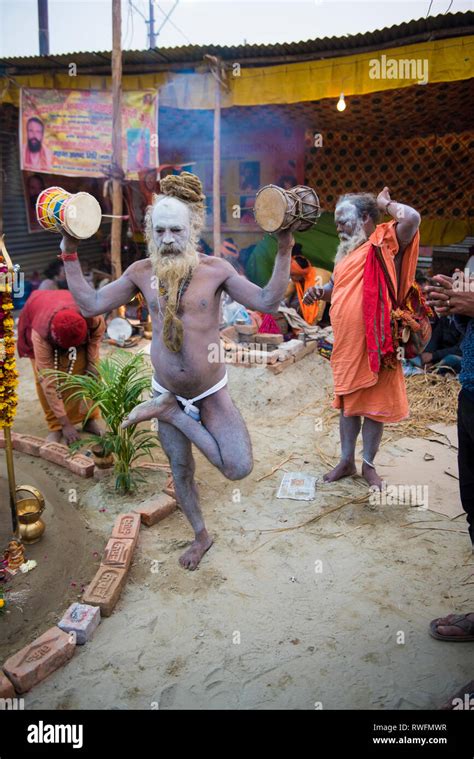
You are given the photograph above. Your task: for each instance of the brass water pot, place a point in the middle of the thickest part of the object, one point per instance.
(29, 512)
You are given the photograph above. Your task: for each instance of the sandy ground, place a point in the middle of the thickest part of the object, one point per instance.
(256, 627)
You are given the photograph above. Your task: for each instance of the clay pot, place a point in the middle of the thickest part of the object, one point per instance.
(100, 459)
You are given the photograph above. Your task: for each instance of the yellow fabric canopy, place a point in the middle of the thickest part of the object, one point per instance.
(448, 60)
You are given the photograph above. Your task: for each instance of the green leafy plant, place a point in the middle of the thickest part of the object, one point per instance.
(116, 389)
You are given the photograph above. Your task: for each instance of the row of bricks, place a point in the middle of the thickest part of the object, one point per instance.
(56, 646)
(58, 454)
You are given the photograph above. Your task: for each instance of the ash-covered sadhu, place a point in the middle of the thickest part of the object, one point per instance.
(368, 375)
(183, 291)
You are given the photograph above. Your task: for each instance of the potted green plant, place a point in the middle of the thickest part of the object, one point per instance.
(115, 390)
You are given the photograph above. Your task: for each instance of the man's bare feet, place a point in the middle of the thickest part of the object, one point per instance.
(343, 469)
(371, 477)
(193, 555)
(54, 437)
(163, 407)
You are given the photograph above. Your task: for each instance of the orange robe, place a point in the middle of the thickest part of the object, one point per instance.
(359, 391)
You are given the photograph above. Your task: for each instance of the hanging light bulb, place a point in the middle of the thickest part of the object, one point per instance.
(341, 103)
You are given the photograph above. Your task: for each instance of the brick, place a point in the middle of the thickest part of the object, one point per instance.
(127, 526)
(81, 619)
(280, 366)
(309, 348)
(246, 329)
(29, 444)
(155, 510)
(154, 466)
(268, 338)
(55, 452)
(105, 589)
(6, 688)
(291, 347)
(118, 553)
(39, 659)
(169, 488)
(81, 465)
(13, 435)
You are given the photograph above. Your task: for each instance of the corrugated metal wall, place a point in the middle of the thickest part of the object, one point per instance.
(32, 251)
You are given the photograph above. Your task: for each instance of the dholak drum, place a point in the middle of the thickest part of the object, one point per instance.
(277, 209)
(77, 214)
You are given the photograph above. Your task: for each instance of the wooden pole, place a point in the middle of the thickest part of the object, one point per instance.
(216, 181)
(117, 199)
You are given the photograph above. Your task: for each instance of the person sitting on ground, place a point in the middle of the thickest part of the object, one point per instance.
(54, 335)
(449, 300)
(303, 276)
(55, 278)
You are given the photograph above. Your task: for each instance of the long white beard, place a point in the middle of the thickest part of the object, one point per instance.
(349, 244)
(171, 269)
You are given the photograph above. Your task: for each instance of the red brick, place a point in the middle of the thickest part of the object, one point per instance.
(127, 526)
(28, 444)
(39, 659)
(154, 466)
(81, 465)
(155, 510)
(106, 587)
(169, 488)
(6, 688)
(13, 435)
(55, 452)
(118, 553)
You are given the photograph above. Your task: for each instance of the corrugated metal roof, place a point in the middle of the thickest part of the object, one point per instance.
(425, 29)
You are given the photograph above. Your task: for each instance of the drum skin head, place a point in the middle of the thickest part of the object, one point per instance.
(270, 208)
(119, 329)
(82, 216)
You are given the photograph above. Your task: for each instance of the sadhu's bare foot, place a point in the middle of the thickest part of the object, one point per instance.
(343, 469)
(453, 627)
(193, 555)
(371, 477)
(164, 407)
(54, 437)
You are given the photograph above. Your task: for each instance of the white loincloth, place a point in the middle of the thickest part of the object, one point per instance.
(188, 403)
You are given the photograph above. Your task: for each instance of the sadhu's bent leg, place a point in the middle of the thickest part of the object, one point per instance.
(222, 437)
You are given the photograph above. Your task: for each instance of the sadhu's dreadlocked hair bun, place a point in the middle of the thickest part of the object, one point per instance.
(184, 186)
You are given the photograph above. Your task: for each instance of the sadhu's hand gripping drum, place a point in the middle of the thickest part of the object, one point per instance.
(77, 214)
(277, 209)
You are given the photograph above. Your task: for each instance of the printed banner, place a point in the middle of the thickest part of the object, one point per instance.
(69, 132)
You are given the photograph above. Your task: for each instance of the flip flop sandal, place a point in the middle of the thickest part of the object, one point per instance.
(455, 620)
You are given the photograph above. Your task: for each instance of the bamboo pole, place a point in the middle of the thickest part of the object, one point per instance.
(117, 198)
(216, 181)
(7, 430)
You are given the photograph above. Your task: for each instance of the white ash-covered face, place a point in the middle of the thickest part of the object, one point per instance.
(350, 228)
(171, 227)
(347, 220)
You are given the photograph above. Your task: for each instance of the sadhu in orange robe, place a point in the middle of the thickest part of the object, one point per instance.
(358, 390)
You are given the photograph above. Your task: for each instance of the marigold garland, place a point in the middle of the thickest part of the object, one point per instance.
(8, 373)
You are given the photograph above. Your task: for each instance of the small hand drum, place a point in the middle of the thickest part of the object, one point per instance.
(277, 209)
(119, 329)
(79, 215)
